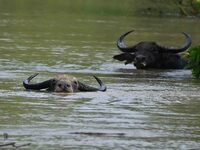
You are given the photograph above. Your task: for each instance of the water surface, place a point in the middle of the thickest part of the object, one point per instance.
(142, 109)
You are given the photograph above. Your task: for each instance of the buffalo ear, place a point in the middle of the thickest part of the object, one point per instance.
(75, 85)
(128, 57)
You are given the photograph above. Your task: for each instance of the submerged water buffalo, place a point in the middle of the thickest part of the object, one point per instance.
(147, 54)
(63, 83)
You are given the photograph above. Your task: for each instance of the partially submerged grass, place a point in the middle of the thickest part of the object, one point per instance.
(194, 60)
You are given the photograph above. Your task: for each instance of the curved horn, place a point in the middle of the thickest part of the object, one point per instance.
(121, 45)
(87, 88)
(186, 45)
(36, 86)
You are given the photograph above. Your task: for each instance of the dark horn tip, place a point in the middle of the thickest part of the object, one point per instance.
(32, 76)
(189, 39)
(26, 81)
(187, 35)
(126, 33)
(129, 31)
(103, 87)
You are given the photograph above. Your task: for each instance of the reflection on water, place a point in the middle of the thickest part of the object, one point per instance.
(142, 109)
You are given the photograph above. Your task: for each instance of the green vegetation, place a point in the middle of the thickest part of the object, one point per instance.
(194, 60)
(105, 7)
(189, 7)
(196, 5)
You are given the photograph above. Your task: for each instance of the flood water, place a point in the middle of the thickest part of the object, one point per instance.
(141, 109)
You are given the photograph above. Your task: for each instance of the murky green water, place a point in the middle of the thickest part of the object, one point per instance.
(142, 109)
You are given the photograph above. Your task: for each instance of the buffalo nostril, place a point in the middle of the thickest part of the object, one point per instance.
(66, 86)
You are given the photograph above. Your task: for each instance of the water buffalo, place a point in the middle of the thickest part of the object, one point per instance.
(148, 54)
(62, 83)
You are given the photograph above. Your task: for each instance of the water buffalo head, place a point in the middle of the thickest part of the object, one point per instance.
(62, 83)
(150, 54)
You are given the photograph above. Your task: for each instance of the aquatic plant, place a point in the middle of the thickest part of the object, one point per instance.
(194, 60)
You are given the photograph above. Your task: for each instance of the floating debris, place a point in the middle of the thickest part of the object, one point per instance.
(13, 144)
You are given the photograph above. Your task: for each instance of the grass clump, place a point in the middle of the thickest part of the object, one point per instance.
(194, 60)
